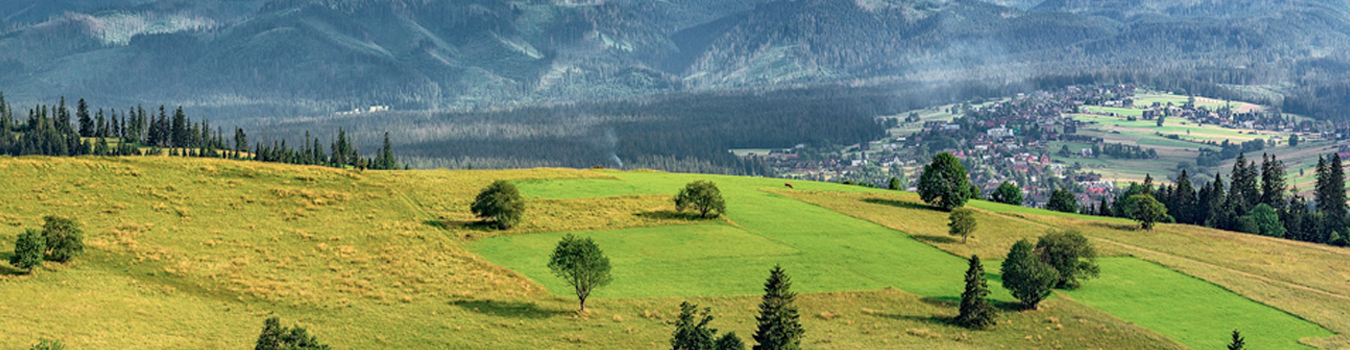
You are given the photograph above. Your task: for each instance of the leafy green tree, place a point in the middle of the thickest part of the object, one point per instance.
(1029, 279)
(1062, 200)
(580, 263)
(976, 312)
(1008, 193)
(729, 341)
(276, 337)
(28, 250)
(48, 344)
(1071, 254)
(945, 182)
(962, 223)
(779, 324)
(1293, 140)
(63, 237)
(1146, 210)
(702, 196)
(1238, 342)
(1266, 221)
(501, 204)
(691, 329)
(894, 184)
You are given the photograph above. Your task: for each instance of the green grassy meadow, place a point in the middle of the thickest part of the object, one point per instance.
(195, 253)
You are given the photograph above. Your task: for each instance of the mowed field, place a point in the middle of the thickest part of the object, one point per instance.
(192, 253)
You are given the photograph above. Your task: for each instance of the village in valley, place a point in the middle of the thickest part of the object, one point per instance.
(1087, 139)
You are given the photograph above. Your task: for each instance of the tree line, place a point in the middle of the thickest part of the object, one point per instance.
(56, 131)
(1257, 199)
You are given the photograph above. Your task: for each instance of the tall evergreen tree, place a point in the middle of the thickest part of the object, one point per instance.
(1330, 192)
(1274, 188)
(976, 311)
(82, 115)
(1183, 200)
(779, 325)
(1244, 193)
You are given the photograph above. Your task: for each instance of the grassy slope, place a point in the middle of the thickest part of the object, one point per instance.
(822, 259)
(1298, 278)
(192, 253)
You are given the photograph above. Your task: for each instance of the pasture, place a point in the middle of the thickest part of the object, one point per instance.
(195, 253)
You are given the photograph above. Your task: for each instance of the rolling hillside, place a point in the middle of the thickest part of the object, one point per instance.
(191, 253)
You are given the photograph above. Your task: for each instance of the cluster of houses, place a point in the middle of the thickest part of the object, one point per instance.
(1009, 141)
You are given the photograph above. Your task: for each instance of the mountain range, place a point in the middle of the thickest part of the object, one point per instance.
(241, 58)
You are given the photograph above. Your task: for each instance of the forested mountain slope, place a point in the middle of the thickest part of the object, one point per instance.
(241, 58)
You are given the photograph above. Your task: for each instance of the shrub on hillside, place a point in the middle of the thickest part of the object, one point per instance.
(500, 204)
(28, 250)
(704, 197)
(276, 337)
(64, 238)
(1072, 256)
(1029, 279)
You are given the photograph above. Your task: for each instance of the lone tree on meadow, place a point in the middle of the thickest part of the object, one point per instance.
(894, 184)
(1029, 279)
(500, 204)
(1071, 254)
(945, 183)
(962, 223)
(702, 196)
(1061, 200)
(28, 250)
(976, 312)
(580, 263)
(692, 332)
(1146, 210)
(779, 323)
(1238, 343)
(63, 237)
(1008, 193)
(276, 337)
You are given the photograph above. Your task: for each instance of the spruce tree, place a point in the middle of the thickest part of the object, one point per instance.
(779, 326)
(1238, 342)
(1337, 190)
(691, 329)
(1244, 193)
(976, 311)
(1273, 185)
(1183, 200)
(82, 116)
(729, 341)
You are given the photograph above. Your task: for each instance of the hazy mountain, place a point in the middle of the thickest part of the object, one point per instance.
(247, 57)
